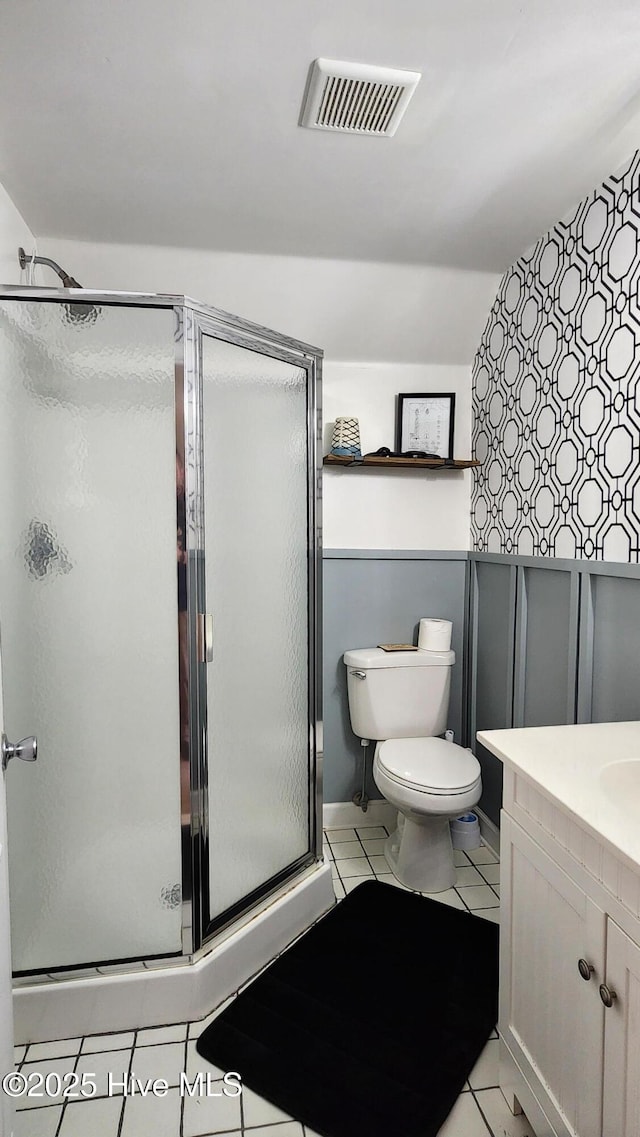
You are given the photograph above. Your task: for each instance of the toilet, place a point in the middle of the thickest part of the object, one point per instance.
(400, 700)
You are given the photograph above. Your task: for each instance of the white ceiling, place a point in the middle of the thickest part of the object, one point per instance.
(174, 122)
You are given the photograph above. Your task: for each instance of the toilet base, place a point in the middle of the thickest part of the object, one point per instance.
(421, 855)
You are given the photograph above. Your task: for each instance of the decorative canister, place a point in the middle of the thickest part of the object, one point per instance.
(346, 437)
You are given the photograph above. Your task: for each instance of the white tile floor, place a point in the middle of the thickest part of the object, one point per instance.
(164, 1052)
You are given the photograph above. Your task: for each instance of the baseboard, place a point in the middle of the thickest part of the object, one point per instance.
(346, 815)
(489, 831)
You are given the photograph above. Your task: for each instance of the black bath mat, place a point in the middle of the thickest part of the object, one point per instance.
(369, 1025)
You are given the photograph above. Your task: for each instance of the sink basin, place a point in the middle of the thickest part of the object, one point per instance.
(620, 782)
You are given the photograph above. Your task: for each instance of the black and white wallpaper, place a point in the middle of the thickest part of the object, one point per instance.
(556, 390)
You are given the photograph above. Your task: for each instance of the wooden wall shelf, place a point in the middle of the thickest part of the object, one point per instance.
(400, 463)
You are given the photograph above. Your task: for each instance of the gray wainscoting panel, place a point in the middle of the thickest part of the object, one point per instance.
(370, 600)
(493, 601)
(616, 649)
(549, 686)
(524, 650)
(550, 641)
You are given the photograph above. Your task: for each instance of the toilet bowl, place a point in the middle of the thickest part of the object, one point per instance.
(430, 782)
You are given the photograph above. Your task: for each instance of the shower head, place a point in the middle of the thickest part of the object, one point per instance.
(68, 281)
(76, 313)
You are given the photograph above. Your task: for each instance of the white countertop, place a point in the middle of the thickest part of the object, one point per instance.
(567, 764)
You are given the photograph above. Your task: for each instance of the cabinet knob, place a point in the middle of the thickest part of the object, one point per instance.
(607, 995)
(27, 749)
(586, 969)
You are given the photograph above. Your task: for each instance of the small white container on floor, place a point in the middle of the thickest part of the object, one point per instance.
(465, 832)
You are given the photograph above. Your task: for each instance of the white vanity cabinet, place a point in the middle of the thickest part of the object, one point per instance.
(570, 930)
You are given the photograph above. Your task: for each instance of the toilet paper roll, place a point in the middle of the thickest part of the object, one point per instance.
(434, 635)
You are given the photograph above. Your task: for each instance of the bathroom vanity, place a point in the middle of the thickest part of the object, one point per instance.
(570, 927)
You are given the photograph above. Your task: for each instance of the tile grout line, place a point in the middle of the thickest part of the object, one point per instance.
(364, 852)
(182, 1096)
(65, 1102)
(457, 888)
(242, 1125)
(129, 1071)
(245, 1131)
(481, 1111)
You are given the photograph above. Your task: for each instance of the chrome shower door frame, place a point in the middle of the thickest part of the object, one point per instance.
(200, 322)
(193, 320)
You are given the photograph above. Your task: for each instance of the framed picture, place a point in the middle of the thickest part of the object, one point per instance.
(425, 422)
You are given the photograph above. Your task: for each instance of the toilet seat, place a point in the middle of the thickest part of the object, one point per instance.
(431, 765)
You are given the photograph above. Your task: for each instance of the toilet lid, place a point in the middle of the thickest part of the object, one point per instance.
(430, 764)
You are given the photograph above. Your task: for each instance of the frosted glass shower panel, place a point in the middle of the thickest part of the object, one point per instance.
(255, 470)
(88, 614)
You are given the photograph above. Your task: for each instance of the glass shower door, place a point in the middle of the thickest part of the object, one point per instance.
(258, 436)
(88, 611)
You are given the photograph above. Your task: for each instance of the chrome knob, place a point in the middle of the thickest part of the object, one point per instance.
(358, 674)
(607, 995)
(26, 749)
(586, 969)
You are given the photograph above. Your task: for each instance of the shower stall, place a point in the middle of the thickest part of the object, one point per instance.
(159, 623)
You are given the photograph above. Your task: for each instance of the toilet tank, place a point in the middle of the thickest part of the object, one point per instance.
(400, 694)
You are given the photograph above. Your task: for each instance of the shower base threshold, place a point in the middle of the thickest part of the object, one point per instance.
(185, 993)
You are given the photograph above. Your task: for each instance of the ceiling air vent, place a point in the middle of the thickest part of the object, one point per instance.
(356, 98)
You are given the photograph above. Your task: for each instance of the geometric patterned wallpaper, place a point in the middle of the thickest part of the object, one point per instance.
(556, 390)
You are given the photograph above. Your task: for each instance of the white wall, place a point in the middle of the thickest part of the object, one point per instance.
(361, 510)
(14, 232)
(394, 509)
(384, 329)
(354, 310)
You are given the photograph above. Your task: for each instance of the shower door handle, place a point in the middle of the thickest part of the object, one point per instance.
(26, 749)
(205, 636)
